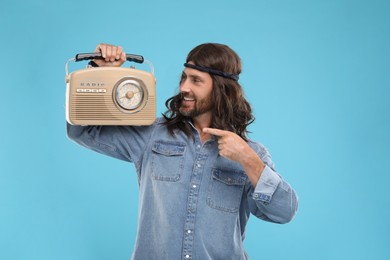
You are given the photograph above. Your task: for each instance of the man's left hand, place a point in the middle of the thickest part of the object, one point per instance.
(233, 147)
(230, 145)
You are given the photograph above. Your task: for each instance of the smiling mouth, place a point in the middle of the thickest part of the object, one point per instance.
(188, 99)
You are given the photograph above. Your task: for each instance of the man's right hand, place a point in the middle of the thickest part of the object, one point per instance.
(113, 56)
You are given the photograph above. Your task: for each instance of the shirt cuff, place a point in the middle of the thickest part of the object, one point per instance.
(266, 186)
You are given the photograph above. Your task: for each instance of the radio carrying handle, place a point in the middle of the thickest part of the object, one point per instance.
(98, 55)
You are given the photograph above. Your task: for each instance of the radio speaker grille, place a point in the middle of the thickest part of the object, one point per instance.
(102, 107)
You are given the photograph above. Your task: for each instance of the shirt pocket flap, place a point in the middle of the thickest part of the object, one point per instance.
(229, 177)
(169, 148)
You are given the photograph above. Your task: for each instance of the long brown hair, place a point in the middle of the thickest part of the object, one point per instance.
(231, 111)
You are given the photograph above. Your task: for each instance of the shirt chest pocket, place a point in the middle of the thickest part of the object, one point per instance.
(167, 160)
(225, 189)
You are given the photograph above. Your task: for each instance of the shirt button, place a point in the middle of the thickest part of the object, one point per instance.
(189, 231)
(198, 165)
(187, 256)
(198, 146)
(194, 186)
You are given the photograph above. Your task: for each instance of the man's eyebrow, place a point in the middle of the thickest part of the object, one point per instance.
(194, 76)
(191, 75)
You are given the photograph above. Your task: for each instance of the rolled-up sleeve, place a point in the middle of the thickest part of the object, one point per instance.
(273, 199)
(266, 185)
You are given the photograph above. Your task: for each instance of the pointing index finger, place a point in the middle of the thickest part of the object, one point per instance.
(214, 131)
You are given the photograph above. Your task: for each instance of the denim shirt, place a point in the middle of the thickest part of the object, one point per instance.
(193, 203)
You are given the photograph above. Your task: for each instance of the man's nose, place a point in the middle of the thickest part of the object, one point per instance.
(184, 86)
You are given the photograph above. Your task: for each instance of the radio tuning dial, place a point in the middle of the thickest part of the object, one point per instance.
(129, 95)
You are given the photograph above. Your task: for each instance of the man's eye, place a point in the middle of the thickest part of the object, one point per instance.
(183, 77)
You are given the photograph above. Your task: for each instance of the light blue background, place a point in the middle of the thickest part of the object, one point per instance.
(316, 72)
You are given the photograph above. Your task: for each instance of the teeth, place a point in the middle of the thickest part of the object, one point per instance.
(188, 99)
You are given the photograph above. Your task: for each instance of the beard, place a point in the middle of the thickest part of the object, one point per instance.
(196, 108)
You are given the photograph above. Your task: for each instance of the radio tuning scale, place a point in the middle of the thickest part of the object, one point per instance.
(129, 94)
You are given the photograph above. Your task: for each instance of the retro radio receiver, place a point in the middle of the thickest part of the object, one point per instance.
(110, 95)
